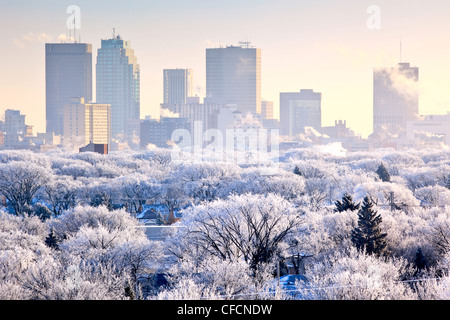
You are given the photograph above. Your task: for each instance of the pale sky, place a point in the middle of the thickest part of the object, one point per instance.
(321, 45)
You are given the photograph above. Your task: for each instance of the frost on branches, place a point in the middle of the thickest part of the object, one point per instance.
(364, 225)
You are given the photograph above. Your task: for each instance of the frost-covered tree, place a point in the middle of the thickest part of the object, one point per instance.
(109, 239)
(19, 182)
(367, 236)
(102, 199)
(251, 227)
(61, 193)
(353, 275)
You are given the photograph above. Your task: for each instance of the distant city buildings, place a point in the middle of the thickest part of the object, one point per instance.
(158, 133)
(95, 147)
(233, 76)
(193, 111)
(395, 99)
(267, 111)
(15, 134)
(178, 85)
(232, 104)
(68, 73)
(341, 133)
(118, 84)
(299, 110)
(86, 123)
(429, 130)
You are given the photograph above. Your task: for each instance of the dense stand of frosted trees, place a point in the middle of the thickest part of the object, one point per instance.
(68, 228)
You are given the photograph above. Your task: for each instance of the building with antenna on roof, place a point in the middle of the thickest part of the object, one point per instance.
(395, 99)
(68, 73)
(233, 76)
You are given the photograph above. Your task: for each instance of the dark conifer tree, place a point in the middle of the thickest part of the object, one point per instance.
(346, 204)
(383, 173)
(367, 235)
(420, 260)
(102, 199)
(297, 171)
(52, 241)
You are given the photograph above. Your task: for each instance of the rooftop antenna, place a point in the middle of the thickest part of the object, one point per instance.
(246, 43)
(114, 33)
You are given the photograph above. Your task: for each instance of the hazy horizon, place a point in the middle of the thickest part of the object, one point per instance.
(322, 45)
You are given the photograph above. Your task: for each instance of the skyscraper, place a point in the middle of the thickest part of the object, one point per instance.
(299, 110)
(233, 76)
(118, 84)
(395, 98)
(68, 73)
(178, 85)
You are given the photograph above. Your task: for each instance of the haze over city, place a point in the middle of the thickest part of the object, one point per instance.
(322, 45)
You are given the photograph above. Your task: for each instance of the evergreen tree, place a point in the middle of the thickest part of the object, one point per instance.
(346, 204)
(367, 235)
(447, 185)
(297, 171)
(52, 241)
(383, 173)
(420, 260)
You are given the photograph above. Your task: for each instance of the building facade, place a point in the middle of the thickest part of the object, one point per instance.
(299, 110)
(15, 132)
(159, 133)
(395, 99)
(68, 73)
(429, 129)
(267, 110)
(233, 76)
(118, 84)
(86, 123)
(178, 85)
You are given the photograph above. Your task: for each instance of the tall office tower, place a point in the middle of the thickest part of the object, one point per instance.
(86, 123)
(299, 110)
(233, 76)
(267, 110)
(68, 73)
(118, 84)
(178, 85)
(395, 98)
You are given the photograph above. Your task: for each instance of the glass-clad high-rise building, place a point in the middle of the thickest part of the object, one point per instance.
(178, 85)
(299, 110)
(395, 98)
(68, 74)
(233, 76)
(118, 84)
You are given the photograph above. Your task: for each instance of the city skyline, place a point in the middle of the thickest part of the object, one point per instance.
(325, 46)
